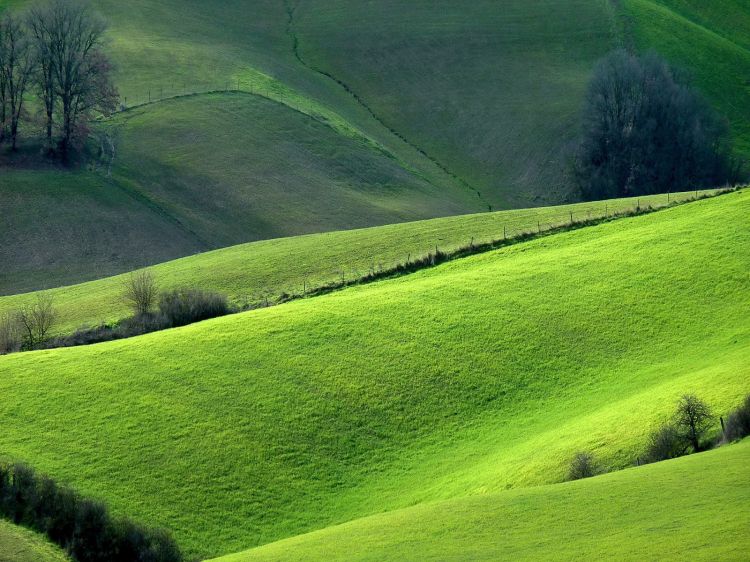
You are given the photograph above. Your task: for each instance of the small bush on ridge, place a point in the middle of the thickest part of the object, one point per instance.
(10, 334)
(36, 320)
(582, 466)
(139, 291)
(185, 306)
(664, 443)
(693, 419)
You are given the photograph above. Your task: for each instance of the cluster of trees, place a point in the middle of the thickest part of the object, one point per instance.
(645, 130)
(82, 527)
(687, 431)
(53, 53)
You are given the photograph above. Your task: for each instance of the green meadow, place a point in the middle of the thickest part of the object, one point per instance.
(253, 272)
(666, 511)
(707, 39)
(338, 126)
(21, 545)
(478, 376)
(266, 148)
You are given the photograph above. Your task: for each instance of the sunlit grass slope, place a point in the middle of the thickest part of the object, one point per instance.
(21, 545)
(695, 508)
(472, 377)
(709, 39)
(250, 273)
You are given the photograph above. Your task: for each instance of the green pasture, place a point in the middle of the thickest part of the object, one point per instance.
(21, 545)
(251, 273)
(695, 508)
(467, 379)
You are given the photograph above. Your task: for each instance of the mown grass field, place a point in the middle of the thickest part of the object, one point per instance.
(250, 273)
(470, 378)
(21, 545)
(694, 508)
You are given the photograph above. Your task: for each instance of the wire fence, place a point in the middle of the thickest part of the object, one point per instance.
(509, 228)
(175, 90)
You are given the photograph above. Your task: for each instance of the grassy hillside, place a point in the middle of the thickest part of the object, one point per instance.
(710, 40)
(362, 113)
(249, 273)
(59, 227)
(644, 513)
(251, 428)
(21, 545)
(190, 176)
(286, 173)
(491, 90)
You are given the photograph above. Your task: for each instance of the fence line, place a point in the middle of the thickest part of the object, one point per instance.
(533, 227)
(156, 95)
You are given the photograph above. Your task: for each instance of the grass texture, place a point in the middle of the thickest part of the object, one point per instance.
(710, 41)
(250, 273)
(696, 508)
(21, 545)
(470, 378)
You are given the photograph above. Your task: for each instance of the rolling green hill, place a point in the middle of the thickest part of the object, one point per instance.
(190, 176)
(21, 545)
(491, 90)
(470, 378)
(250, 273)
(645, 513)
(361, 114)
(710, 40)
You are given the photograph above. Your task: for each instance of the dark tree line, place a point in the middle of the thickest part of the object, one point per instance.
(645, 130)
(53, 53)
(82, 527)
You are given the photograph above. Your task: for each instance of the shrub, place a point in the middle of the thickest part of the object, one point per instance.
(184, 306)
(738, 422)
(645, 130)
(10, 334)
(139, 291)
(663, 444)
(582, 466)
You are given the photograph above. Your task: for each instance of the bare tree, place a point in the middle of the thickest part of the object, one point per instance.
(140, 291)
(39, 22)
(37, 320)
(80, 70)
(16, 66)
(692, 419)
